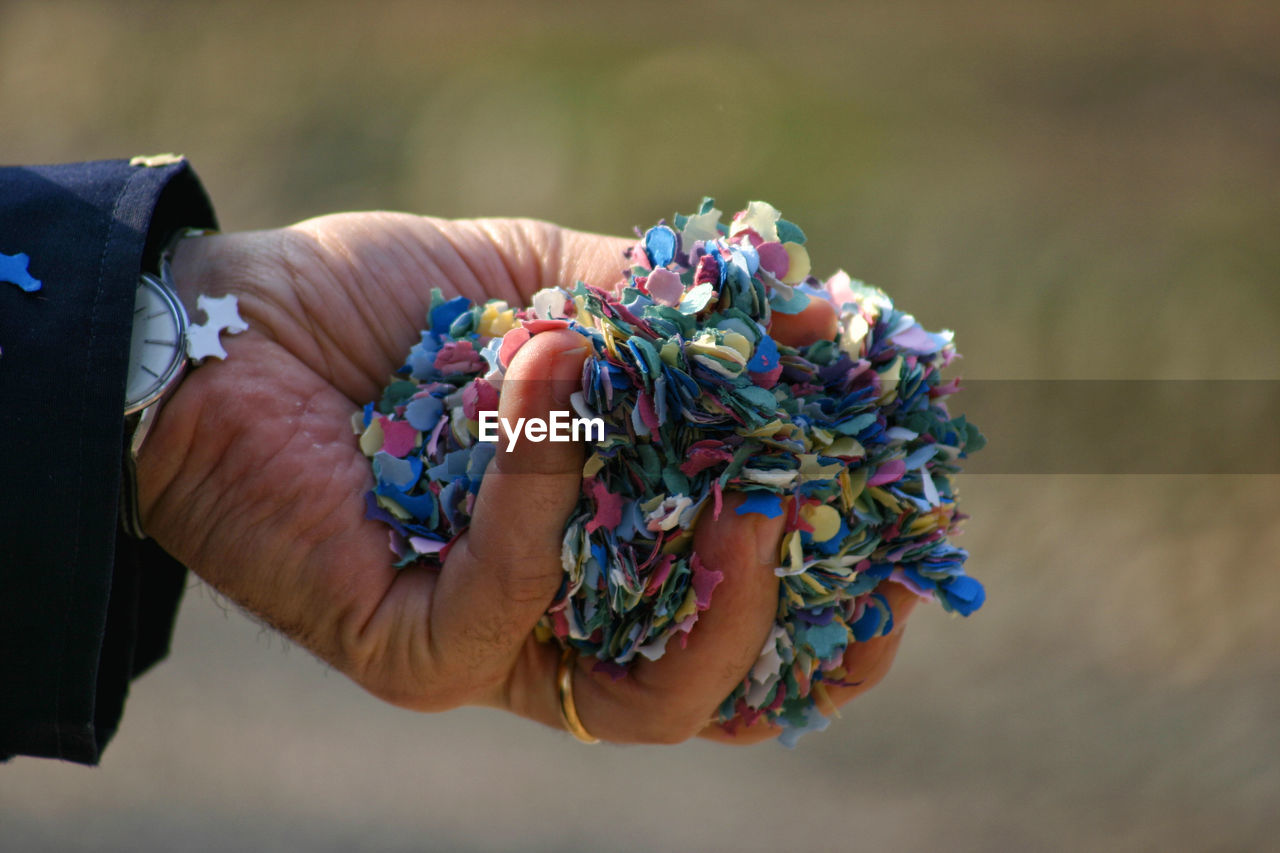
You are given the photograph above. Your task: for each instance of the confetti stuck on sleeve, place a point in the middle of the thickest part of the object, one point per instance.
(848, 436)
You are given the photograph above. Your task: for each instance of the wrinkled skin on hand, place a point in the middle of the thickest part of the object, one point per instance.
(252, 477)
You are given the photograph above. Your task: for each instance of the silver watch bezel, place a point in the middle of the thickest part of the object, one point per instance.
(178, 362)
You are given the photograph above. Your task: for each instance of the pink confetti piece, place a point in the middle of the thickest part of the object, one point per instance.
(665, 287)
(458, 357)
(704, 581)
(511, 343)
(660, 574)
(774, 258)
(398, 437)
(703, 455)
(608, 505)
(649, 415)
(889, 472)
(426, 546)
(479, 396)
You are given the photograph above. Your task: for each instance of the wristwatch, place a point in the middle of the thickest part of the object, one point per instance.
(157, 363)
(157, 351)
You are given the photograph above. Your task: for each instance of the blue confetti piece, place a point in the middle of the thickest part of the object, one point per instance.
(490, 354)
(421, 363)
(419, 506)
(855, 425)
(374, 512)
(454, 465)
(401, 473)
(764, 503)
(451, 497)
(443, 315)
(423, 413)
(793, 304)
(920, 456)
(827, 641)
(869, 624)
(660, 245)
(13, 269)
(765, 358)
(963, 594)
(814, 721)
(481, 455)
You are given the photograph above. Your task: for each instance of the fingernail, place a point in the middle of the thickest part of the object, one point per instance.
(566, 371)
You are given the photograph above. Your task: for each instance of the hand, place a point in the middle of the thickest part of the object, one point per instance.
(253, 479)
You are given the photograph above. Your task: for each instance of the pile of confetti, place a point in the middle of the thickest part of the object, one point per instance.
(849, 438)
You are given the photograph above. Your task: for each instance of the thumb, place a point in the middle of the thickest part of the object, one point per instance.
(502, 574)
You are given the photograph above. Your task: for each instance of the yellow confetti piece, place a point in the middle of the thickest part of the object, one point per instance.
(496, 320)
(884, 498)
(853, 334)
(769, 430)
(812, 584)
(762, 218)
(592, 466)
(688, 608)
(846, 446)
(700, 226)
(851, 485)
(889, 378)
(678, 544)
(924, 524)
(824, 520)
(670, 353)
(393, 508)
(371, 441)
(795, 550)
(812, 469)
(739, 343)
(799, 268)
(610, 344)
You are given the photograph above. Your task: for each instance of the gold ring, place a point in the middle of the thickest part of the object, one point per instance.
(568, 708)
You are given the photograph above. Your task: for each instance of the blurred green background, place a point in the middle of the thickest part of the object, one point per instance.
(1081, 190)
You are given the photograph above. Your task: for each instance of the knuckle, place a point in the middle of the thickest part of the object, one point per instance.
(522, 579)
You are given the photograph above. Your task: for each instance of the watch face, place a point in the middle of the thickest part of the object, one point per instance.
(157, 349)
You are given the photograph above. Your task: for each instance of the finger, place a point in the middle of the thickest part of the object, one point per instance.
(865, 665)
(502, 574)
(819, 321)
(672, 698)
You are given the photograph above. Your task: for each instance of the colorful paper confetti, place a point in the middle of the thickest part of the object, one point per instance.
(13, 269)
(222, 314)
(847, 436)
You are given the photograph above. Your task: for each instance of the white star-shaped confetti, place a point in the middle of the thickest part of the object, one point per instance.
(222, 313)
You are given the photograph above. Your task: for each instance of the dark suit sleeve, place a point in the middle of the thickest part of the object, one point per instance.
(83, 607)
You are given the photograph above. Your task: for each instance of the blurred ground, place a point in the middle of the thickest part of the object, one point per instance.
(1082, 191)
